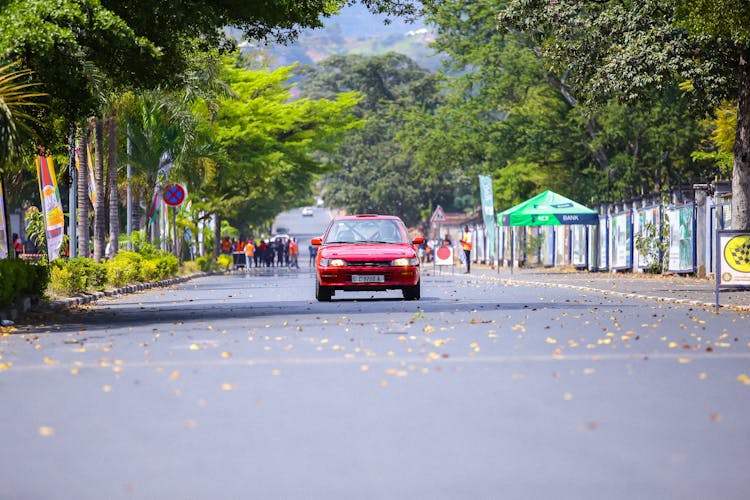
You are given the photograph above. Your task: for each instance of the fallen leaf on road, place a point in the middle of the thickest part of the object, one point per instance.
(46, 431)
(744, 379)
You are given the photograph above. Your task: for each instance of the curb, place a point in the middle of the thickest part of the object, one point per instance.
(629, 295)
(25, 304)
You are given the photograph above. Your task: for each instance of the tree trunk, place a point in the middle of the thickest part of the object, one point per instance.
(82, 229)
(217, 236)
(114, 205)
(741, 171)
(99, 204)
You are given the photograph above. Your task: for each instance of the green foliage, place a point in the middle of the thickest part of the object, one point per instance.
(225, 262)
(205, 264)
(653, 244)
(376, 174)
(272, 144)
(36, 230)
(124, 268)
(18, 279)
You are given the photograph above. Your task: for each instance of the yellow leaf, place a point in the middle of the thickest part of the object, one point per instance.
(428, 329)
(107, 388)
(227, 387)
(550, 340)
(46, 431)
(744, 379)
(174, 376)
(195, 347)
(226, 354)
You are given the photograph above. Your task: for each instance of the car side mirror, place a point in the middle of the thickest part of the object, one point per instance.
(418, 240)
(316, 241)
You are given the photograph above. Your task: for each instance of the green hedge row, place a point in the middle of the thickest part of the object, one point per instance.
(19, 279)
(82, 275)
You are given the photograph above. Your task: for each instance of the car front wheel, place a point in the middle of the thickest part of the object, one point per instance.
(322, 293)
(412, 292)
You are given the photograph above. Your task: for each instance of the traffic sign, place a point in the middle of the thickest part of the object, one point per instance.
(438, 215)
(444, 256)
(174, 194)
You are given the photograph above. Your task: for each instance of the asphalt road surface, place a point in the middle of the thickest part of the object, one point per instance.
(242, 386)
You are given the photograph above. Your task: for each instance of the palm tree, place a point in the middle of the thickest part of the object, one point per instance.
(16, 95)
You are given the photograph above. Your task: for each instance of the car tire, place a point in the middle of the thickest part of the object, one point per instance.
(322, 293)
(412, 292)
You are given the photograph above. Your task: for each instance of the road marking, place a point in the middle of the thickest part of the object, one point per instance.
(384, 360)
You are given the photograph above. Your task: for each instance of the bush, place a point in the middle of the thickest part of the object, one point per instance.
(167, 266)
(225, 261)
(205, 264)
(190, 267)
(79, 275)
(125, 268)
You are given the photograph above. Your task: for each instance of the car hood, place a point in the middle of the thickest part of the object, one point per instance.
(365, 251)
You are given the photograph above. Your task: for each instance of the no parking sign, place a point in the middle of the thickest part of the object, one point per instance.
(174, 194)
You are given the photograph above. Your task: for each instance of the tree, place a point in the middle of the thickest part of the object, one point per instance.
(629, 50)
(274, 145)
(377, 172)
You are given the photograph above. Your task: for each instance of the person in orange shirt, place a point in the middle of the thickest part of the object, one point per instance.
(226, 245)
(466, 245)
(293, 253)
(249, 253)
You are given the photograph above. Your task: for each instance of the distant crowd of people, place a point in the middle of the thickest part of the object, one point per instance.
(275, 252)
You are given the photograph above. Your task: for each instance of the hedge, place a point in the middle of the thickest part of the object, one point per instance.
(19, 278)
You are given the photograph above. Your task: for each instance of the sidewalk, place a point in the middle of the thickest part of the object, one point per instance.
(668, 288)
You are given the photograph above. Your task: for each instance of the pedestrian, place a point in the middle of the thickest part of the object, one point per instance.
(226, 246)
(293, 253)
(249, 253)
(17, 245)
(466, 247)
(313, 250)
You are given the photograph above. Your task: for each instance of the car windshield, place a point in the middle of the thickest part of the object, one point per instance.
(366, 231)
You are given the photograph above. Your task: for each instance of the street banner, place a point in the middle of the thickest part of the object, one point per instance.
(681, 242)
(488, 211)
(621, 241)
(54, 220)
(3, 228)
(733, 265)
(90, 168)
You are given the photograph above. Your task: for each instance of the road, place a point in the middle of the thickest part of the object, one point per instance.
(243, 386)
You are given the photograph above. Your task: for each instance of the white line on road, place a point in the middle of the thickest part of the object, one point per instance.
(428, 359)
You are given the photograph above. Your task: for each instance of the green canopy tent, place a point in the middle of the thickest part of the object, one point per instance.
(546, 209)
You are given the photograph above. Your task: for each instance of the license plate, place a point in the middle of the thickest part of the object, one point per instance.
(368, 278)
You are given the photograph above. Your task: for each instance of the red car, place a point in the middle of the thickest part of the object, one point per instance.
(365, 253)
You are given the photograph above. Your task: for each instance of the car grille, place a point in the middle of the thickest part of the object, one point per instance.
(373, 263)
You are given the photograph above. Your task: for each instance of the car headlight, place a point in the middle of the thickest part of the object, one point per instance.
(332, 262)
(405, 262)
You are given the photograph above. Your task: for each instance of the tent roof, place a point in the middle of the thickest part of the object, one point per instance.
(547, 209)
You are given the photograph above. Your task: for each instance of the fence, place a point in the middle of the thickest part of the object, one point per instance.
(692, 216)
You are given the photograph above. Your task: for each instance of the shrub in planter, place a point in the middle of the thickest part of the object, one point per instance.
(84, 275)
(62, 281)
(225, 261)
(149, 270)
(130, 264)
(10, 276)
(124, 268)
(167, 266)
(205, 264)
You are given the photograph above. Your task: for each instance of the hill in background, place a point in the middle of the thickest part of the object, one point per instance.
(355, 31)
